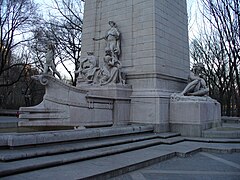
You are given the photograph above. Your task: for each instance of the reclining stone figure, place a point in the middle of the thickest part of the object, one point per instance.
(197, 85)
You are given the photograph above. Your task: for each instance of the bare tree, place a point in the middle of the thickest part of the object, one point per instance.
(67, 31)
(16, 19)
(207, 50)
(64, 30)
(220, 50)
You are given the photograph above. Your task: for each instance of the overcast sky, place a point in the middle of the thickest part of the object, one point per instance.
(194, 17)
(192, 8)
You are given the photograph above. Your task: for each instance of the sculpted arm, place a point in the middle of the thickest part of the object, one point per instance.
(192, 76)
(98, 39)
(81, 63)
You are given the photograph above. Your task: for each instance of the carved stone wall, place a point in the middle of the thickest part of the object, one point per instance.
(154, 43)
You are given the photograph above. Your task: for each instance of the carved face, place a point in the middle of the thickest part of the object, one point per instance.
(107, 58)
(111, 23)
(49, 46)
(198, 68)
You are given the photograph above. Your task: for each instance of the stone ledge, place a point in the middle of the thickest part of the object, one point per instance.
(228, 119)
(35, 138)
(126, 161)
(221, 134)
(31, 152)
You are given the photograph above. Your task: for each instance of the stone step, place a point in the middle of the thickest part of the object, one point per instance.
(61, 123)
(227, 130)
(4, 125)
(168, 135)
(43, 116)
(48, 137)
(213, 140)
(57, 148)
(38, 110)
(227, 119)
(221, 134)
(20, 166)
(106, 165)
(172, 140)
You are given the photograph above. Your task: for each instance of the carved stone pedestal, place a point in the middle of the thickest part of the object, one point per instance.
(120, 96)
(191, 115)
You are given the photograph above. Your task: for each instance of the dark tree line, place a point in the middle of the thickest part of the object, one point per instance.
(218, 47)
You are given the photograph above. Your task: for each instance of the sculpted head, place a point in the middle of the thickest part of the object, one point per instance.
(50, 45)
(112, 23)
(198, 67)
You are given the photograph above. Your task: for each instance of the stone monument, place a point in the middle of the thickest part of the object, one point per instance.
(154, 51)
(192, 110)
(131, 71)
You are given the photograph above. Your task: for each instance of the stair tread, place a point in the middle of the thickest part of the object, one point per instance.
(173, 140)
(42, 115)
(118, 163)
(225, 131)
(6, 155)
(42, 110)
(60, 159)
(168, 134)
(28, 152)
(36, 138)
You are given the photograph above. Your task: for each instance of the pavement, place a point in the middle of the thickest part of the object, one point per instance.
(202, 165)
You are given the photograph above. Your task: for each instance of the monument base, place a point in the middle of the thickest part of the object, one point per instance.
(151, 107)
(191, 115)
(90, 106)
(119, 94)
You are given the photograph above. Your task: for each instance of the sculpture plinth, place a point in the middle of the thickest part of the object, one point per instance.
(65, 105)
(191, 115)
(121, 100)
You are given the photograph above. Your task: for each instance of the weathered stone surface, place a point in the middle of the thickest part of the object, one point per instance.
(191, 115)
(116, 159)
(65, 105)
(154, 51)
(154, 60)
(37, 138)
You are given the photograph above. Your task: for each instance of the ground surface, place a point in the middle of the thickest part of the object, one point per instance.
(219, 166)
(212, 162)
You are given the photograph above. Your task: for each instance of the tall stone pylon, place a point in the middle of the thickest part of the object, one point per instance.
(154, 50)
